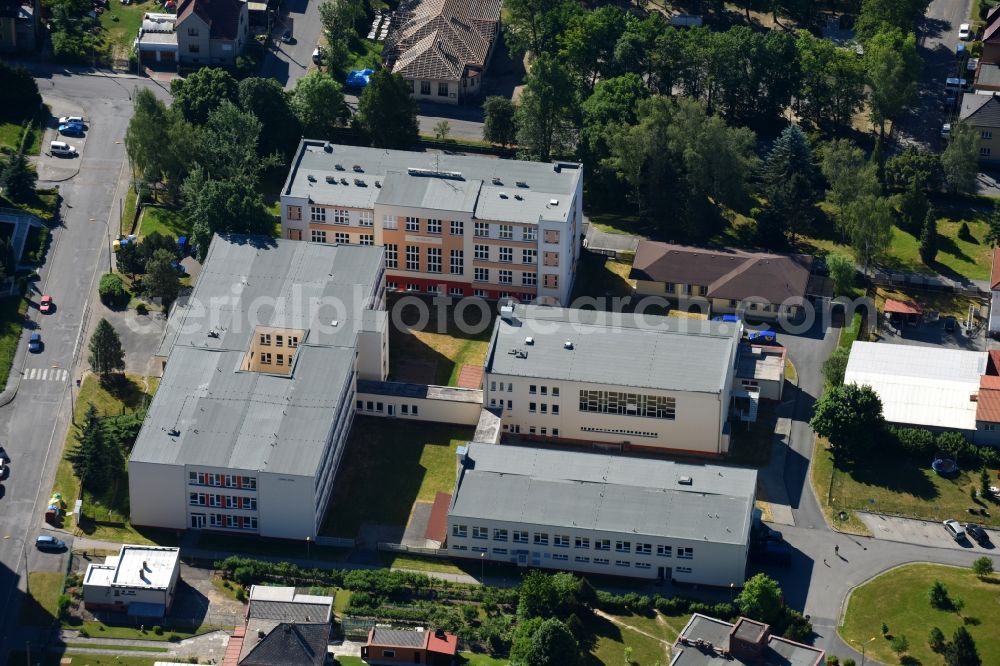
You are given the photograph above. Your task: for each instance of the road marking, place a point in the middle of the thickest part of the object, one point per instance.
(47, 374)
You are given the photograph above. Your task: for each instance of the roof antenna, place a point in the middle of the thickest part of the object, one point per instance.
(437, 165)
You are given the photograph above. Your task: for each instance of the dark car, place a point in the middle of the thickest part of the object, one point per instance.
(949, 324)
(287, 38)
(71, 129)
(50, 543)
(977, 533)
(35, 343)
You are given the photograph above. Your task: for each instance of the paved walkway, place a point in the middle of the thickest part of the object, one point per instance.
(206, 646)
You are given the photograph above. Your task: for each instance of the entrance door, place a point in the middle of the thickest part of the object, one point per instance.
(197, 520)
(390, 410)
(663, 573)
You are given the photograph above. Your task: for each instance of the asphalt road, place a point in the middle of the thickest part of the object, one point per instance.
(33, 426)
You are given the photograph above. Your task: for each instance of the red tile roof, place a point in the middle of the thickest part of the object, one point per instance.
(437, 524)
(902, 307)
(993, 364)
(995, 273)
(447, 645)
(988, 405)
(232, 657)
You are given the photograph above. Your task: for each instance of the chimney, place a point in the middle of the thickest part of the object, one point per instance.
(260, 634)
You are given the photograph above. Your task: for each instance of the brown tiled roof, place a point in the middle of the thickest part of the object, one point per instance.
(439, 39)
(222, 16)
(992, 24)
(995, 272)
(728, 273)
(988, 401)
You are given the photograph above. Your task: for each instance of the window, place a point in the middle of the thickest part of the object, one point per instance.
(630, 404)
(391, 255)
(390, 222)
(560, 556)
(434, 260)
(457, 228)
(532, 389)
(506, 231)
(341, 216)
(392, 653)
(412, 258)
(555, 409)
(482, 229)
(685, 553)
(561, 541)
(196, 499)
(529, 256)
(480, 293)
(582, 542)
(506, 276)
(404, 409)
(413, 410)
(442, 89)
(622, 563)
(456, 291)
(265, 339)
(986, 134)
(433, 226)
(499, 534)
(552, 281)
(989, 427)
(551, 236)
(602, 544)
(481, 275)
(412, 286)
(279, 359)
(194, 48)
(459, 531)
(506, 254)
(623, 546)
(412, 223)
(642, 565)
(295, 212)
(499, 551)
(317, 213)
(265, 358)
(984, 152)
(279, 340)
(457, 264)
(480, 532)
(460, 547)
(643, 549)
(520, 536)
(686, 570)
(555, 432)
(341, 238)
(366, 239)
(541, 539)
(601, 560)
(367, 219)
(532, 407)
(550, 259)
(545, 408)
(582, 559)
(479, 549)
(192, 32)
(318, 236)
(425, 87)
(249, 482)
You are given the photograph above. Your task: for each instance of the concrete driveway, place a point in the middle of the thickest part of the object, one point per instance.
(932, 534)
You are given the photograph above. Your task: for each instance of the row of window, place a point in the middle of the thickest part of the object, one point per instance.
(341, 237)
(564, 540)
(629, 404)
(542, 407)
(232, 522)
(227, 501)
(505, 255)
(580, 559)
(266, 358)
(533, 389)
(222, 480)
(378, 408)
(413, 287)
(425, 89)
(619, 431)
(279, 340)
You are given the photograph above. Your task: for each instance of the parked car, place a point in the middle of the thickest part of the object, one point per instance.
(287, 38)
(955, 84)
(317, 55)
(972, 64)
(960, 51)
(954, 528)
(46, 542)
(766, 335)
(71, 129)
(731, 318)
(62, 149)
(45, 305)
(977, 533)
(35, 342)
(946, 131)
(965, 32)
(949, 324)
(65, 120)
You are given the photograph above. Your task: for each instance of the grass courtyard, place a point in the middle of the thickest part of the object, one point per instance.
(389, 465)
(121, 24)
(165, 221)
(434, 353)
(899, 598)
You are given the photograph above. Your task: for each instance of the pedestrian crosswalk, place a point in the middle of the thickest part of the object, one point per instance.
(47, 374)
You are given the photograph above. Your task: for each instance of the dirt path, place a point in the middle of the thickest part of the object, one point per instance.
(666, 644)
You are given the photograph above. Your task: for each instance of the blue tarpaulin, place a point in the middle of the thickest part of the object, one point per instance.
(358, 78)
(142, 609)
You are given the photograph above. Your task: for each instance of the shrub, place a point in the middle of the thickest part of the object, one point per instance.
(241, 594)
(832, 660)
(141, 309)
(84, 633)
(938, 596)
(936, 640)
(158, 630)
(900, 644)
(673, 605)
(112, 291)
(848, 662)
(916, 442)
(63, 605)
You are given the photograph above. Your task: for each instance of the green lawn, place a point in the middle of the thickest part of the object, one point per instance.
(101, 630)
(610, 641)
(349, 661)
(166, 221)
(112, 507)
(121, 24)
(473, 659)
(114, 646)
(41, 607)
(82, 658)
(11, 135)
(389, 465)
(899, 598)
(434, 356)
(128, 212)
(944, 303)
(254, 545)
(366, 54)
(599, 276)
(416, 563)
(12, 312)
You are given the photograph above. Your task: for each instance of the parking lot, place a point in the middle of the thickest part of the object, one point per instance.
(933, 333)
(908, 530)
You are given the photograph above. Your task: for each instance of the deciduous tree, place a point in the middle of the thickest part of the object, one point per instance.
(387, 111)
(161, 280)
(842, 272)
(761, 599)
(498, 124)
(960, 159)
(227, 206)
(268, 101)
(318, 104)
(893, 69)
(983, 566)
(868, 221)
(850, 418)
(202, 91)
(545, 115)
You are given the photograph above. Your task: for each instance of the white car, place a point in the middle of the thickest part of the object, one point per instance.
(65, 120)
(972, 64)
(946, 130)
(62, 148)
(965, 32)
(955, 529)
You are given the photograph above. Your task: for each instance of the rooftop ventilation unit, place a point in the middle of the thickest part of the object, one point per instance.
(553, 202)
(343, 181)
(519, 197)
(332, 180)
(434, 173)
(522, 183)
(378, 183)
(529, 340)
(568, 344)
(358, 169)
(328, 147)
(311, 178)
(507, 313)
(685, 481)
(360, 183)
(497, 181)
(338, 167)
(503, 195)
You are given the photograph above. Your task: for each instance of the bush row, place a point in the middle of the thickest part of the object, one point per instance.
(642, 605)
(922, 443)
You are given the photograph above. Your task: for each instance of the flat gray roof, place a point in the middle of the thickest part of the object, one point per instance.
(207, 411)
(420, 391)
(584, 490)
(642, 351)
(714, 651)
(485, 186)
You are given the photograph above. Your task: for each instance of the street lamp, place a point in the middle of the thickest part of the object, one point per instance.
(863, 645)
(482, 572)
(24, 552)
(308, 548)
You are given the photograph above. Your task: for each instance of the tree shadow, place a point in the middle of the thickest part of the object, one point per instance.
(125, 389)
(906, 477)
(597, 628)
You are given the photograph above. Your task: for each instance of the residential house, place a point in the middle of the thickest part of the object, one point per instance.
(20, 25)
(139, 581)
(993, 328)
(723, 281)
(211, 32)
(982, 113)
(156, 44)
(248, 427)
(991, 37)
(409, 647)
(282, 628)
(707, 641)
(456, 225)
(443, 47)
(597, 513)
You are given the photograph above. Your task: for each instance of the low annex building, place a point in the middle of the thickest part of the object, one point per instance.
(602, 514)
(725, 280)
(139, 581)
(630, 380)
(707, 641)
(409, 647)
(247, 429)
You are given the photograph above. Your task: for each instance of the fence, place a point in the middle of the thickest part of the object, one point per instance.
(414, 550)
